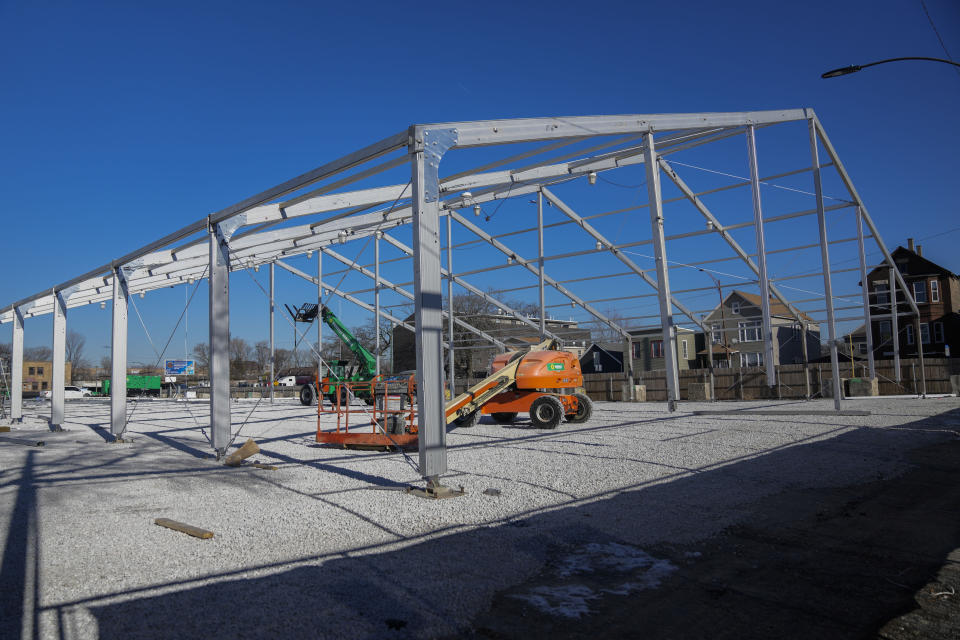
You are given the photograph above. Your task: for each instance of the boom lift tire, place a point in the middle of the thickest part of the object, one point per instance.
(584, 409)
(468, 421)
(546, 412)
(307, 395)
(503, 418)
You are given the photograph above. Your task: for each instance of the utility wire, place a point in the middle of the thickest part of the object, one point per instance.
(937, 33)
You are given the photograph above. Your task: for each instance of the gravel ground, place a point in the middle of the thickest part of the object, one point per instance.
(330, 544)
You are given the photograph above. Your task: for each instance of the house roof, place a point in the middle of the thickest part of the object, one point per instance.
(777, 308)
(606, 347)
(929, 267)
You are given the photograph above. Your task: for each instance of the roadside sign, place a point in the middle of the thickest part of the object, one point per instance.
(180, 367)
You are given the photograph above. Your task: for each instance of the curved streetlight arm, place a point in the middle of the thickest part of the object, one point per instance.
(842, 71)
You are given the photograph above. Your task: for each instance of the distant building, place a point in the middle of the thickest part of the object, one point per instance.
(737, 330)
(936, 291)
(38, 376)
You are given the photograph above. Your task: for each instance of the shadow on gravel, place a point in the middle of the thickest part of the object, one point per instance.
(17, 573)
(798, 561)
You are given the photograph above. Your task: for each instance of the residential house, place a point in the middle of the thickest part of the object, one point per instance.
(602, 357)
(738, 336)
(648, 348)
(936, 291)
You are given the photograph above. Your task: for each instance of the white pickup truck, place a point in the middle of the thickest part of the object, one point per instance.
(69, 393)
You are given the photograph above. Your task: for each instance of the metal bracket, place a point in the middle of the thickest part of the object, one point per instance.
(435, 491)
(228, 227)
(436, 142)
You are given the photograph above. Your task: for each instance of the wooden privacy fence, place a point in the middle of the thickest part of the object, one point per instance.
(750, 383)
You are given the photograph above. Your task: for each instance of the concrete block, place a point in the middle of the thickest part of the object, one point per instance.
(955, 384)
(640, 393)
(698, 391)
(827, 391)
(862, 387)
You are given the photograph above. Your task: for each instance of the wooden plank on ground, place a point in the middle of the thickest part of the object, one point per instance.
(182, 527)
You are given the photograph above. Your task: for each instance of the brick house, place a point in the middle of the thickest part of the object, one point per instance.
(936, 291)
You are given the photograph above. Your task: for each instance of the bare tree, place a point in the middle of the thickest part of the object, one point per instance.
(261, 353)
(239, 350)
(38, 354)
(282, 359)
(106, 363)
(74, 350)
(201, 353)
(6, 350)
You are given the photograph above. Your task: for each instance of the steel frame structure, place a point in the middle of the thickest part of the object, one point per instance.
(321, 208)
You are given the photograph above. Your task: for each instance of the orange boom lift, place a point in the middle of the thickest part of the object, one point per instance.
(545, 383)
(542, 382)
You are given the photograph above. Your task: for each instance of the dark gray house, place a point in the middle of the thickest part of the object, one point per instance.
(602, 357)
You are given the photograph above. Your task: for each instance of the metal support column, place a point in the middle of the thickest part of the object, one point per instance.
(319, 322)
(543, 313)
(219, 339)
(428, 304)
(273, 349)
(825, 262)
(713, 389)
(663, 278)
(16, 368)
(118, 354)
(628, 365)
(923, 376)
(769, 363)
(894, 325)
(867, 324)
(376, 293)
(450, 311)
(806, 360)
(58, 379)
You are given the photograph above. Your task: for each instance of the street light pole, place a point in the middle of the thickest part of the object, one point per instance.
(843, 71)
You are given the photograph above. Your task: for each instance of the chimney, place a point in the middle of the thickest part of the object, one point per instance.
(910, 244)
(920, 250)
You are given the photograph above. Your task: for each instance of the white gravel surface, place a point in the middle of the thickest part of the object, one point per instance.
(329, 545)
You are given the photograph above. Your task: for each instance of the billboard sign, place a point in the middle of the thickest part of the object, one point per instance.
(180, 367)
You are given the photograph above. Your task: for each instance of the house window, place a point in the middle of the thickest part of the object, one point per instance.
(683, 348)
(938, 332)
(32, 371)
(920, 292)
(637, 350)
(717, 334)
(909, 329)
(35, 386)
(863, 347)
(885, 329)
(656, 348)
(43, 385)
(748, 331)
(751, 359)
(735, 306)
(882, 291)
(39, 371)
(596, 361)
(925, 332)
(934, 291)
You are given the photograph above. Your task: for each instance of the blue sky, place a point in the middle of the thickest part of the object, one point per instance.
(121, 123)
